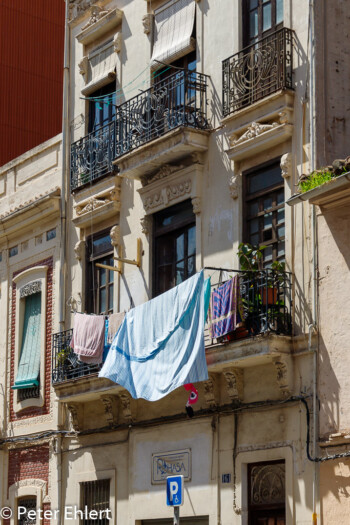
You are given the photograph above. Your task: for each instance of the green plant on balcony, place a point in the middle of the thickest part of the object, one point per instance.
(250, 257)
(324, 175)
(63, 355)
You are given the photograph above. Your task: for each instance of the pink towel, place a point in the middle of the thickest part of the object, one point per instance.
(88, 337)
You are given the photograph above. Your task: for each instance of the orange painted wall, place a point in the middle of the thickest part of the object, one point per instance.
(31, 74)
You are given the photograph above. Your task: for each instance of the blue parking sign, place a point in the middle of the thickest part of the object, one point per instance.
(175, 491)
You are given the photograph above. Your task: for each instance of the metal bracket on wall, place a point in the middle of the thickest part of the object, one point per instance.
(121, 260)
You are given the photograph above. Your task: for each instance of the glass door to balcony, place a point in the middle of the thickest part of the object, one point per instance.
(261, 18)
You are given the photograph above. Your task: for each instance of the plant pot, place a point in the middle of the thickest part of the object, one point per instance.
(269, 295)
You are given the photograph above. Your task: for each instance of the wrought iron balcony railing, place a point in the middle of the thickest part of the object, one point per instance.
(179, 100)
(266, 302)
(65, 363)
(258, 71)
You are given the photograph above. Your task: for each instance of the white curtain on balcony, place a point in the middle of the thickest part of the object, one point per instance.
(173, 29)
(101, 68)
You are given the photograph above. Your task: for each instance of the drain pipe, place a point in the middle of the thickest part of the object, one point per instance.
(313, 326)
(65, 171)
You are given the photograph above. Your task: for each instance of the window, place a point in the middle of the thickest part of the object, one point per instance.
(266, 493)
(29, 504)
(264, 211)
(27, 378)
(260, 18)
(95, 496)
(102, 108)
(174, 246)
(99, 281)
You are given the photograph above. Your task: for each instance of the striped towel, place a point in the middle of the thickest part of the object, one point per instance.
(88, 337)
(160, 344)
(226, 309)
(115, 321)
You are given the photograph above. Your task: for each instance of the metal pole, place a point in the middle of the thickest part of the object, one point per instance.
(176, 515)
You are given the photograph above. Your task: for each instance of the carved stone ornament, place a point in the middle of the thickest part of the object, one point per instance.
(146, 224)
(254, 130)
(115, 235)
(209, 392)
(234, 383)
(117, 42)
(162, 197)
(147, 21)
(73, 411)
(84, 67)
(233, 185)
(164, 171)
(196, 204)
(96, 14)
(109, 403)
(32, 483)
(30, 289)
(78, 7)
(286, 165)
(283, 375)
(125, 402)
(79, 249)
(96, 202)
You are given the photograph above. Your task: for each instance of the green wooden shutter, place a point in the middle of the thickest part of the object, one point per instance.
(29, 364)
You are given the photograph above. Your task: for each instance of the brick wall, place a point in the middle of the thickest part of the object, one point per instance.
(29, 463)
(34, 411)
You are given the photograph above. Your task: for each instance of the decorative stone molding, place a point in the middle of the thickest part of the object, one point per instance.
(147, 21)
(37, 483)
(96, 14)
(283, 367)
(209, 391)
(115, 235)
(78, 7)
(84, 67)
(252, 131)
(109, 403)
(167, 194)
(197, 157)
(164, 171)
(126, 409)
(286, 165)
(233, 186)
(146, 224)
(79, 250)
(234, 383)
(196, 204)
(93, 203)
(117, 42)
(74, 416)
(30, 289)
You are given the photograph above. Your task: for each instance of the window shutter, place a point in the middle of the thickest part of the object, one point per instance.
(173, 29)
(101, 68)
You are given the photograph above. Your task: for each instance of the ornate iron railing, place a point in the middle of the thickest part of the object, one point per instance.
(91, 156)
(258, 71)
(266, 302)
(179, 100)
(65, 363)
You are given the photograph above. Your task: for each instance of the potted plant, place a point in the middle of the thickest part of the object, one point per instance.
(250, 257)
(274, 279)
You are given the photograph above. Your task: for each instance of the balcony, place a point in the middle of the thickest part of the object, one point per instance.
(258, 71)
(266, 298)
(180, 101)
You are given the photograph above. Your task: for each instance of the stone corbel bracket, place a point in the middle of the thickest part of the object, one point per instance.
(110, 409)
(284, 374)
(210, 390)
(75, 416)
(125, 401)
(234, 384)
(147, 22)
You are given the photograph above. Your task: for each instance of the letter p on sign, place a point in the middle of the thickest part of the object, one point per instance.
(175, 491)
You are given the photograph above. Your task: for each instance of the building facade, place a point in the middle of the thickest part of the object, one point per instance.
(187, 126)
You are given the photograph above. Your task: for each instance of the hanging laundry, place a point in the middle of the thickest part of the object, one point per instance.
(226, 309)
(115, 321)
(88, 337)
(160, 344)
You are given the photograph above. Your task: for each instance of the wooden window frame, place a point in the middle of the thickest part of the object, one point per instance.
(92, 293)
(247, 41)
(250, 197)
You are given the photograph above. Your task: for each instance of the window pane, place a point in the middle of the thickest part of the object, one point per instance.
(191, 241)
(165, 250)
(164, 278)
(254, 208)
(191, 266)
(180, 247)
(110, 297)
(267, 203)
(280, 216)
(280, 197)
(180, 273)
(279, 11)
(268, 220)
(103, 304)
(265, 178)
(254, 239)
(254, 226)
(280, 249)
(267, 235)
(268, 254)
(102, 273)
(281, 231)
(101, 244)
(253, 24)
(267, 23)
(253, 4)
